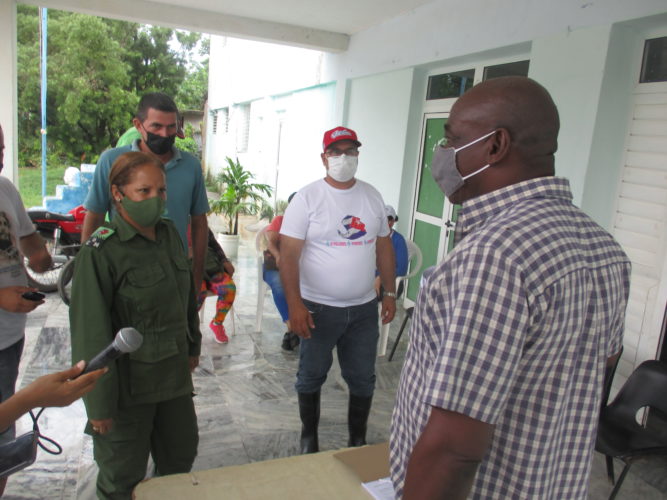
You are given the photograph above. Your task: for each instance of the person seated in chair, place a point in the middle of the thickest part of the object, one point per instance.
(272, 277)
(400, 251)
(218, 272)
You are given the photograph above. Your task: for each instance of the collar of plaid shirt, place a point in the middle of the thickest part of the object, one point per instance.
(476, 211)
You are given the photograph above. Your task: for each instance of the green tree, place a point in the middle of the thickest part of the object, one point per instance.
(90, 100)
(97, 69)
(193, 92)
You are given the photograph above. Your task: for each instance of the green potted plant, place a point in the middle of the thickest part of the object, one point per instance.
(238, 194)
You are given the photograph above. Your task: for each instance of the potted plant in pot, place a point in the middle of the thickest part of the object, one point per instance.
(238, 194)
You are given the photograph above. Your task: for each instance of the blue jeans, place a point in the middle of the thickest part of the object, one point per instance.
(9, 371)
(353, 331)
(272, 279)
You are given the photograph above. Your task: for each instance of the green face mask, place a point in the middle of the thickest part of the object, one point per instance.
(146, 213)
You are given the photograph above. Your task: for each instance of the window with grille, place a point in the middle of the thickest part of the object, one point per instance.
(243, 127)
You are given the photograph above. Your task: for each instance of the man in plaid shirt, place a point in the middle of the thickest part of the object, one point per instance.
(500, 391)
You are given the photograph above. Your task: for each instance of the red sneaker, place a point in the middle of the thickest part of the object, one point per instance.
(219, 331)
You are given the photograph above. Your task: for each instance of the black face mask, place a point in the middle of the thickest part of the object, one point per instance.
(158, 144)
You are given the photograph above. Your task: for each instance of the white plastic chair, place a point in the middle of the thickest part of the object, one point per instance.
(415, 259)
(262, 287)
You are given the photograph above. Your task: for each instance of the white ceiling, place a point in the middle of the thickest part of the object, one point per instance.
(340, 16)
(318, 24)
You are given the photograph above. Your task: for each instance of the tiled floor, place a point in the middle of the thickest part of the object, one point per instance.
(245, 402)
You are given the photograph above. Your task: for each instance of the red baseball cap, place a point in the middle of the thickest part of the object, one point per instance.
(339, 134)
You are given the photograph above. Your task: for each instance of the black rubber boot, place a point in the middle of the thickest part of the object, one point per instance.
(309, 411)
(357, 418)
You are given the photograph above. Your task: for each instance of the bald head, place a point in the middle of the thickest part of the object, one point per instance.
(521, 106)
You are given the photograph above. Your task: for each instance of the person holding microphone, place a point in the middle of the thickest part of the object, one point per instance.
(133, 273)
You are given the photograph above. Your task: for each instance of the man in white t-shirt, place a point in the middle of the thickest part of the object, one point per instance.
(333, 234)
(17, 238)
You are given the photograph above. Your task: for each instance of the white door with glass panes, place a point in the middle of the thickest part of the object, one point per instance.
(433, 216)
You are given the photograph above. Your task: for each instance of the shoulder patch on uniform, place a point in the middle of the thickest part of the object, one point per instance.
(98, 237)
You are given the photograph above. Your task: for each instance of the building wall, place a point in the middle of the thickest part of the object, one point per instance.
(445, 29)
(590, 65)
(571, 66)
(378, 111)
(288, 109)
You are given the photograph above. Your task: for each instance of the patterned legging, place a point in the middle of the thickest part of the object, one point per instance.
(222, 285)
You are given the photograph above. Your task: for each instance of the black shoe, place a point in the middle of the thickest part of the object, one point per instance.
(309, 411)
(294, 341)
(287, 342)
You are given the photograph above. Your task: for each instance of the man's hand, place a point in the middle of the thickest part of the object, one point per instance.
(193, 361)
(34, 248)
(388, 309)
(228, 267)
(301, 321)
(11, 299)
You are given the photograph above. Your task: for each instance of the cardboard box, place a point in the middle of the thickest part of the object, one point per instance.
(369, 463)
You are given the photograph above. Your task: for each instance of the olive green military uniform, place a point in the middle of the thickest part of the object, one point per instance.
(123, 279)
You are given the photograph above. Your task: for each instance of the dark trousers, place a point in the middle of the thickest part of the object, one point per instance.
(167, 430)
(10, 358)
(353, 331)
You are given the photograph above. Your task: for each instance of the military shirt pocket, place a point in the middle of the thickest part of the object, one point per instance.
(155, 348)
(183, 277)
(146, 277)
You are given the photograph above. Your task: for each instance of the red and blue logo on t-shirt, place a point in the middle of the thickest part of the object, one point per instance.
(352, 228)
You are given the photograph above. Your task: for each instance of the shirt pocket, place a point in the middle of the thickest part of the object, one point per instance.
(144, 301)
(183, 275)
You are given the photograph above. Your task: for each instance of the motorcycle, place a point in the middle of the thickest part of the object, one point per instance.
(62, 233)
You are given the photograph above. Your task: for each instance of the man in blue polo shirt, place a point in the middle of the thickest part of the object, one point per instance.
(157, 122)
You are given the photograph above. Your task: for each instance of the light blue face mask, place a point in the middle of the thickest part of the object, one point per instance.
(444, 170)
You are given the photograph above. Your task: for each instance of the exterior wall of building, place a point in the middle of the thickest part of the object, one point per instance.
(271, 112)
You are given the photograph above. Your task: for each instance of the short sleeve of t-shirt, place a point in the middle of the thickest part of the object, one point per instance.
(14, 209)
(295, 221)
(98, 199)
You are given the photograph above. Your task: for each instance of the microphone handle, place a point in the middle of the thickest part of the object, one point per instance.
(102, 359)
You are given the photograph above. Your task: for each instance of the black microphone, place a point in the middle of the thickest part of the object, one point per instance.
(127, 340)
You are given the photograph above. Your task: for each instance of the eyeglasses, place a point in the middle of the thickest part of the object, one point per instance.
(339, 152)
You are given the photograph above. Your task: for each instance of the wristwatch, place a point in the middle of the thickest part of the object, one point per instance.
(389, 294)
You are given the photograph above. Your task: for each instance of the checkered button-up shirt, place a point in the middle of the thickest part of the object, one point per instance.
(513, 329)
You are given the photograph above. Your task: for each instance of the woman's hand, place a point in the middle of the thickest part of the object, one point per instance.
(194, 362)
(102, 426)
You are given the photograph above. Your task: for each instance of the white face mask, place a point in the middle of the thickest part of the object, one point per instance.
(342, 168)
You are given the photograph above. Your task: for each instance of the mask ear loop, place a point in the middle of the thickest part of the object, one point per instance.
(476, 141)
(476, 172)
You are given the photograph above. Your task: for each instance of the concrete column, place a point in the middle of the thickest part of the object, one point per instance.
(8, 102)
